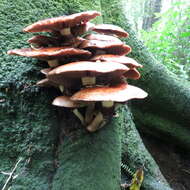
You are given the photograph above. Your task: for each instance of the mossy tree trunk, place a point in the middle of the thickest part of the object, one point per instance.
(165, 113)
(30, 126)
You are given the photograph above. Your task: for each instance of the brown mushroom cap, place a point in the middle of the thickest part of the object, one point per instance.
(46, 83)
(43, 40)
(86, 69)
(50, 52)
(131, 63)
(116, 48)
(61, 22)
(132, 74)
(118, 93)
(102, 37)
(110, 29)
(45, 71)
(65, 101)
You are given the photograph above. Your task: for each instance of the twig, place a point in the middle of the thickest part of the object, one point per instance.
(11, 174)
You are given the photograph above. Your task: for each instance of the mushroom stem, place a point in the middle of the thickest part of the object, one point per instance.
(88, 80)
(107, 104)
(89, 112)
(66, 31)
(53, 63)
(61, 88)
(96, 123)
(79, 115)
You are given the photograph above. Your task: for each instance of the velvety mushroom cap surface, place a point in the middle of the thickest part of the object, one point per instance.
(102, 37)
(61, 22)
(116, 58)
(49, 52)
(65, 101)
(110, 29)
(86, 68)
(116, 48)
(118, 93)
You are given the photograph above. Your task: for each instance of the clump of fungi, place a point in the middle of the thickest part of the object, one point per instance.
(87, 63)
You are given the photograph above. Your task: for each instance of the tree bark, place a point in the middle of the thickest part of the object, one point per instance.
(151, 7)
(90, 160)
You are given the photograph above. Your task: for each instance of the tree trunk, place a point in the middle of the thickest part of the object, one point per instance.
(30, 126)
(169, 96)
(151, 7)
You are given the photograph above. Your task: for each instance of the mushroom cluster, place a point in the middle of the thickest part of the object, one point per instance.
(87, 63)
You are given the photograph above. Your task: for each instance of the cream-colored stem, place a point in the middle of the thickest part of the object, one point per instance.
(65, 31)
(96, 123)
(53, 63)
(107, 104)
(88, 81)
(89, 113)
(79, 115)
(61, 88)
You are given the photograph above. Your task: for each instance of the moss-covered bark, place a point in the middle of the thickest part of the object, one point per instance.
(91, 160)
(29, 124)
(136, 156)
(169, 96)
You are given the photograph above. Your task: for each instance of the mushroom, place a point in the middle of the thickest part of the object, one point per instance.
(131, 63)
(87, 71)
(51, 54)
(46, 83)
(110, 29)
(81, 29)
(116, 48)
(43, 41)
(62, 23)
(108, 95)
(102, 37)
(45, 71)
(65, 101)
(132, 74)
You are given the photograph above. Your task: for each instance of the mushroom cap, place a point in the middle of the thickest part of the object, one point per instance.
(131, 63)
(43, 40)
(102, 37)
(65, 101)
(117, 48)
(132, 74)
(58, 23)
(110, 29)
(85, 68)
(118, 93)
(49, 52)
(46, 83)
(45, 71)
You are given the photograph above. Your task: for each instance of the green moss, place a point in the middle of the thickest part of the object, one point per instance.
(28, 126)
(163, 128)
(91, 160)
(135, 156)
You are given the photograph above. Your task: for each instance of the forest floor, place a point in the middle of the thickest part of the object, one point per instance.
(174, 163)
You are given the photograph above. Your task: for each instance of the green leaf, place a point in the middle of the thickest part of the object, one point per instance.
(185, 34)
